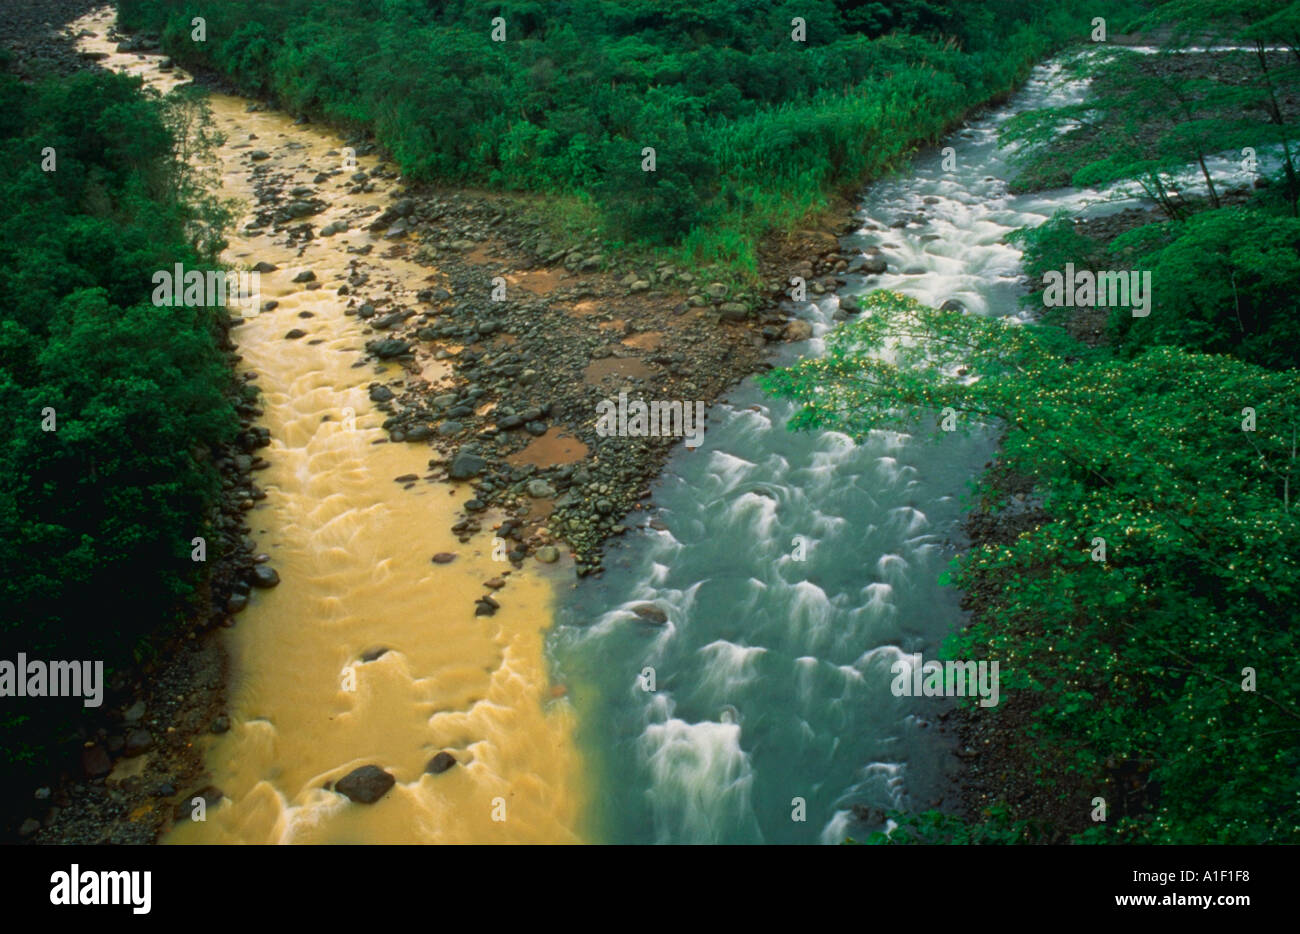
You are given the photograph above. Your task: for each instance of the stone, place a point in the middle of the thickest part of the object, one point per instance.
(548, 554)
(444, 557)
(137, 742)
(650, 613)
(798, 330)
(440, 763)
(296, 209)
(874, 264)
(389, 348)
(365, 785)
(264, 576)
(95, 761)
(466, 465)
(539, 489)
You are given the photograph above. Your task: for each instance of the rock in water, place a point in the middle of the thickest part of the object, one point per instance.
(650, 613)
(365, 785)
(440, 763)
(798, 330)
(264, 576)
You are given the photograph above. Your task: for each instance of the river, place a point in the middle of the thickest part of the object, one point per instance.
(353, 551)
(771, 716)
(794, 569)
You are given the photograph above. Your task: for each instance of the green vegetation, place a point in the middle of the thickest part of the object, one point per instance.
(1224, 281)
(1136, 659)
(97, 515)
(751, 129)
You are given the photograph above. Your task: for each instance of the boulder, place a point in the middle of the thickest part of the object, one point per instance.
(365, 785)
(137, 742)
(387, 349)
(874, 264)
(95, 761)
(798, 330)
(264, 576)
(440, 763)
(650, 613)
(466, 465)
(539, 489)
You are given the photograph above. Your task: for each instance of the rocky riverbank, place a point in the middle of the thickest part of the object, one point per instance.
(518, 422)
(569, 327)
(30, 31)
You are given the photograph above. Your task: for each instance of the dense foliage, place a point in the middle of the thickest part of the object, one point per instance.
(1164, 656)
(750, 128)
(1150, 613)
(97, 515)
(1138, 657)
(1223, 281)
